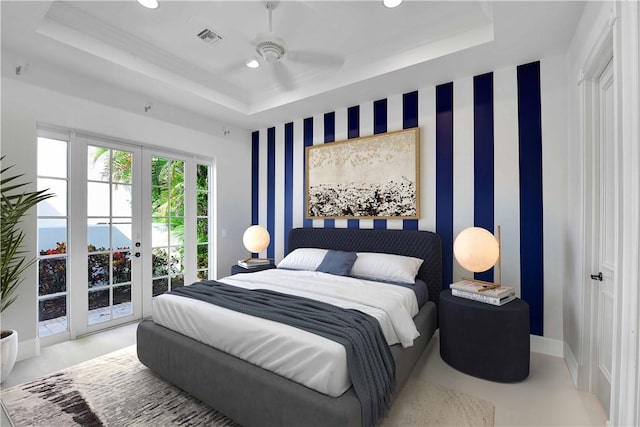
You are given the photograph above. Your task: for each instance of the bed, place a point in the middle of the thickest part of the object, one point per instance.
(254, 396)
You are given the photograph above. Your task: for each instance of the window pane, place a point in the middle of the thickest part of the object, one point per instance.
(177, 201)
(159, 172)
(122, 301)
(202, 225)
(203, 274)
(52, 236)
(52, 275)
(121, 268)
(159, 232)
(121, 194)
(52, 158)
(203, 256)
(53, 308)
(99, 306)
(121, 166)
(176, 260)
(177, 232)
(177, 173)
(177, 281)
(57, 205)
(203, 178)
(98, 270)
(121, 234)
(160, 262)
(203, 204)
(98, 199)
(98, 234)
(98, 162)
(160, 286)
(159, 202)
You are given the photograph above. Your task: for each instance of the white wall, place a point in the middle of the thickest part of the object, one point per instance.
(25, 105)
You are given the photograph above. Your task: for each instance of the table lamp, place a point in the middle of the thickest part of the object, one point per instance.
(255, 239)
(477, 250)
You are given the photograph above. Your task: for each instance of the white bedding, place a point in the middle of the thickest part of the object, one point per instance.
(314, 361)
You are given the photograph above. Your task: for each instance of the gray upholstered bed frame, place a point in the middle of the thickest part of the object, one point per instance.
(253, 396)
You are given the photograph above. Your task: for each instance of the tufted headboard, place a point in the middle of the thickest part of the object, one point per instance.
(418, 244)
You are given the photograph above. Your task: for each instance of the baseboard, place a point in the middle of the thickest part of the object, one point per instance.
(548, 346)
(572, 363)
(28, 349)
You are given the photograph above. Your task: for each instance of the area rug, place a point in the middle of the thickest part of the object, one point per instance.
(118, 390)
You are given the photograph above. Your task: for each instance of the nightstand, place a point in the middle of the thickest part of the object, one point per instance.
(236, 269)
(484, 340)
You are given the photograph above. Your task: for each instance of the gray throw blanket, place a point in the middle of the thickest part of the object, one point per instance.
(371, 365)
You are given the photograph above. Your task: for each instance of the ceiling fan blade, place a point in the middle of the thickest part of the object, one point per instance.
(283, 76)
(311, 57)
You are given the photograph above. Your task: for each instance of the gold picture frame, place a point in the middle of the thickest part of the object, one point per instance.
(373, 177)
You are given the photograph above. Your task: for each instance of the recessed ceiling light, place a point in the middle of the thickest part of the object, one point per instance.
(391, 3)
(150, 4)
(252, 63)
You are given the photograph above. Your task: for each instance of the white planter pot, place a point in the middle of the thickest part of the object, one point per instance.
(8, 353)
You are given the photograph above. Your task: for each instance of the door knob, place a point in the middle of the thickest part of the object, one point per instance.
(597, 276)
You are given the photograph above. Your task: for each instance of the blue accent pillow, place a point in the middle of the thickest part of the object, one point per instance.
(337, 262)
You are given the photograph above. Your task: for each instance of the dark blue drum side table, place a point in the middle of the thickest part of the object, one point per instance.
(485, 340)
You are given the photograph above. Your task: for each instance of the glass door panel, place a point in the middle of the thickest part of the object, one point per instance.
(168, 219)
(109, 233)
(202, 221)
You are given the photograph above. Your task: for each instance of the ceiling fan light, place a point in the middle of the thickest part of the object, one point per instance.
(391, 3)
(149, 4)
(271, 50)
(271, 56)
(252, 63)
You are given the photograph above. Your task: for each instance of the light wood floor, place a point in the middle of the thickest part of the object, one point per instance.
(546, 398)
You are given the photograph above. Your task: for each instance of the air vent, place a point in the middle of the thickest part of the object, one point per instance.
(209, 37)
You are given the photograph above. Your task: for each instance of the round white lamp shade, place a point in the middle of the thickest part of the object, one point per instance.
(476, 249)
(256, 238)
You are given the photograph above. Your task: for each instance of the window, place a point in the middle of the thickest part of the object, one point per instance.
(167, 204)
(52, 237)
(202, 221)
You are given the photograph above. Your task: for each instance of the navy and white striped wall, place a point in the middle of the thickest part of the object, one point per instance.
(481, 164)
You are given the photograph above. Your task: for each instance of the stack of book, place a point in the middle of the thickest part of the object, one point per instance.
(483, 292)
(253, 262)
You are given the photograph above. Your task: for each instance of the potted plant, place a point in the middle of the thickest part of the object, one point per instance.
(14, 259)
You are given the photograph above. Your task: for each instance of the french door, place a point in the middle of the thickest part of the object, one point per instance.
(109, 222)
(138, 226)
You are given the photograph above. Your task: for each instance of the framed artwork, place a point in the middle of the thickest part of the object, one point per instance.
(375, 177)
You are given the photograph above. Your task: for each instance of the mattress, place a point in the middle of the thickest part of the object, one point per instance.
(306, 358)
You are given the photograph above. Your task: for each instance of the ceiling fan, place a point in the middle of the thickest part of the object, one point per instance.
(272, 49)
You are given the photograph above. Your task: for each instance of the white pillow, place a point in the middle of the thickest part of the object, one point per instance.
(386, 267)
(303, 259)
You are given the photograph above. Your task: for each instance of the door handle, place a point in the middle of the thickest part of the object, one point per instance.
(597, 276)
